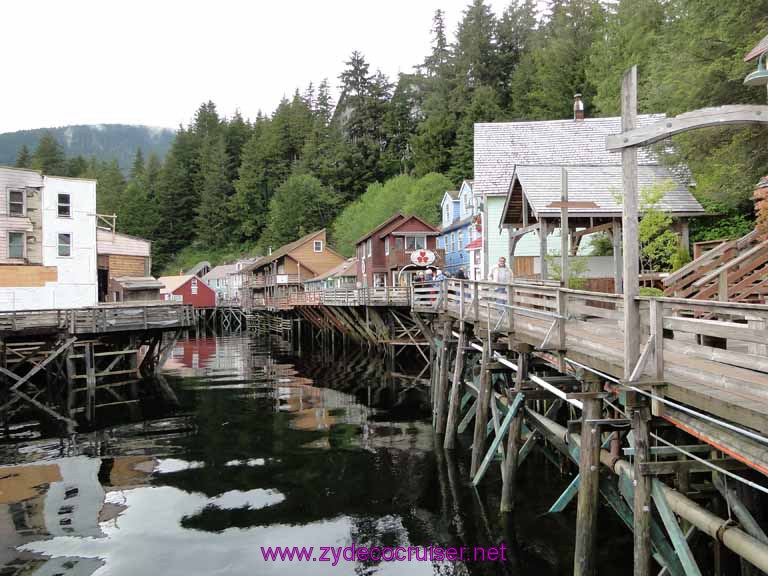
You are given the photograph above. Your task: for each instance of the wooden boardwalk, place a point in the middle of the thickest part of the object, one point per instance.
(711, 355)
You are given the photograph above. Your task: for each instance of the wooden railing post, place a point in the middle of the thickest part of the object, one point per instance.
(461, 302)
(476, 300)
(722, 286)
(562, 311)
(510, 311)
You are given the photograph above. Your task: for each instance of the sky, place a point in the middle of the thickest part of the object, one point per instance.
(154, 62)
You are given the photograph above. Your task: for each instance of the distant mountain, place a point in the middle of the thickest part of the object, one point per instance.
(105, 141)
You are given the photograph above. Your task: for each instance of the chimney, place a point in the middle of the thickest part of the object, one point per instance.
(269, 250)
(578, 107)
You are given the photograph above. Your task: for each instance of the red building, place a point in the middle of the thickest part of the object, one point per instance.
(386, 249)
(187, 289)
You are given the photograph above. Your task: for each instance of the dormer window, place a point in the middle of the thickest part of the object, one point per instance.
(318, 246)
(447, 212)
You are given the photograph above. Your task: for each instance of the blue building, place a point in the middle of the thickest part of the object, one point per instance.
(459, 210)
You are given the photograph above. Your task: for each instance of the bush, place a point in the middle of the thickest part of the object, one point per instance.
(649, 291)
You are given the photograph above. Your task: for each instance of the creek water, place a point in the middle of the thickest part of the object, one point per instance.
(268, 446)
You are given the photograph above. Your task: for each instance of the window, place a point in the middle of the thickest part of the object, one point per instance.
(447, 216)
(363, 265)
(318, 246)
(386, 246)
(415, 243)
(16, 242)
(460, 241)
(194, 286)
(65, 209)
(369, 246)
(467, 201)
(65, 245)
(399, 243)
(17, 203)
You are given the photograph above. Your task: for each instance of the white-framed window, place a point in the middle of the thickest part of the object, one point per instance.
(459, 240)
(447, 212)
(17, 244)
(415, 243)
(65, 245)
(369, 246)
(194, 286)
(17, 202)
(64, 206)
(363, 265)
(467, 201)
(386, 246)
(317, 246)
(379, 279)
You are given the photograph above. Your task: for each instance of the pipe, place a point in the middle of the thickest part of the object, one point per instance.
(732, 537)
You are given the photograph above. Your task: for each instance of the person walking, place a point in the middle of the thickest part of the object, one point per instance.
(501, 275)
(460, 275)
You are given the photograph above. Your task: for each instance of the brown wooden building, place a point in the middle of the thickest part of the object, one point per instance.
(386, 249)
(120, 256)
(284, 271)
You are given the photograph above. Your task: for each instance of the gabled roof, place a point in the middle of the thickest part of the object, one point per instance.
(599, 187)
(476, 244)
(346, 268)
(173, 283)
(499, 146)
(395, 225)
(221, 271)
(457, 224)
(195, 270)
(282, 251)
(761, 48)
(387, 222)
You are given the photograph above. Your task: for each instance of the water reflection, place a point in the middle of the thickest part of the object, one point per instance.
(264, 450)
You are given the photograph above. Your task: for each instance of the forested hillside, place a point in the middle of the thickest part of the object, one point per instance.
(229, 184)
(103, 141)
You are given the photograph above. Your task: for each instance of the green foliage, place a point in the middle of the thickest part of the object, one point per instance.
(186, 258)
(578, 266)
(301, 205)
(425, 196)
(49, 156)
(721, 227)
(650, 291)
(213, 215)
(601, 245)
(23, 158)
(680, 257)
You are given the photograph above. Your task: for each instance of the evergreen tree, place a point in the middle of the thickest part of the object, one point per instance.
(476, 57)
(213, 211)
(109, 188)
(515, 33)
(301, 205)
(76, 166)
(49, 156)
(437, 61)
(138, 167)
(24, 158)
(236, 133)
(483, 108)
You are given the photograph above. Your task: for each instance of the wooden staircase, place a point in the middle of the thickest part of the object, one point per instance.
(735, 271)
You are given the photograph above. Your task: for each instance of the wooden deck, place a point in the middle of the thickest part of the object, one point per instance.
(98, 319)
(385, 296)
(710, 355)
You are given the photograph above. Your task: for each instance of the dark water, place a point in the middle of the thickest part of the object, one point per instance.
(271, 448)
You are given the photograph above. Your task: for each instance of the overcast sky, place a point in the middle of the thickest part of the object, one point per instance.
(153, 62)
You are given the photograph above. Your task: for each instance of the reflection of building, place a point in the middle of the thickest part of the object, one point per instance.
(61, 498)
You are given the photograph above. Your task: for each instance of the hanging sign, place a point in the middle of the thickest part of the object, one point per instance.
(422, 257)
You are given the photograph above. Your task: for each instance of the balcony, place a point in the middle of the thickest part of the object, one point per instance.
(273, 280)
(400, 258)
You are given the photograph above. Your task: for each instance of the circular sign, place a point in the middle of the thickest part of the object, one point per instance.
(422, 257)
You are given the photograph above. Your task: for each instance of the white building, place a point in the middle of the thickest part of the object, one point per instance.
(47, 241)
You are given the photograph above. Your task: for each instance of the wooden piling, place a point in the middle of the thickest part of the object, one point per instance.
(514, 440)
(481, 416)
(442, 378)
(452, 422)
(642, 500)
(584, 560)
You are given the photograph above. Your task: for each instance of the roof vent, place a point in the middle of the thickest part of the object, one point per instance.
(578, 107)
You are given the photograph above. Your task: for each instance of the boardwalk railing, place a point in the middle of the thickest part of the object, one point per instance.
(100, 319)
(710, 354)
(385, 296)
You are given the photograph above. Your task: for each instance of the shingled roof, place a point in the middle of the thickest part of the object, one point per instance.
(499, 146)
(598, 185)
(761, 48)
(282, 251)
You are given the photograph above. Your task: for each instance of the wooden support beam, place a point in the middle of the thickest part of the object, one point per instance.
(509, 483)
(442, 378)
(679, 542)
(497, 440)
(483, 405)
(453, 402)
(642, 491)
(564, 230)
(585, 555)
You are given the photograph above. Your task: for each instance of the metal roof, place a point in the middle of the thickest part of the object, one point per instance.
(346, 268)
(499, 146)
(221, 271)
(600, 185)
(761, 48)
(139, 283)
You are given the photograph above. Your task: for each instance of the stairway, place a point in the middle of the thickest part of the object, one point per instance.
(735, 271)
